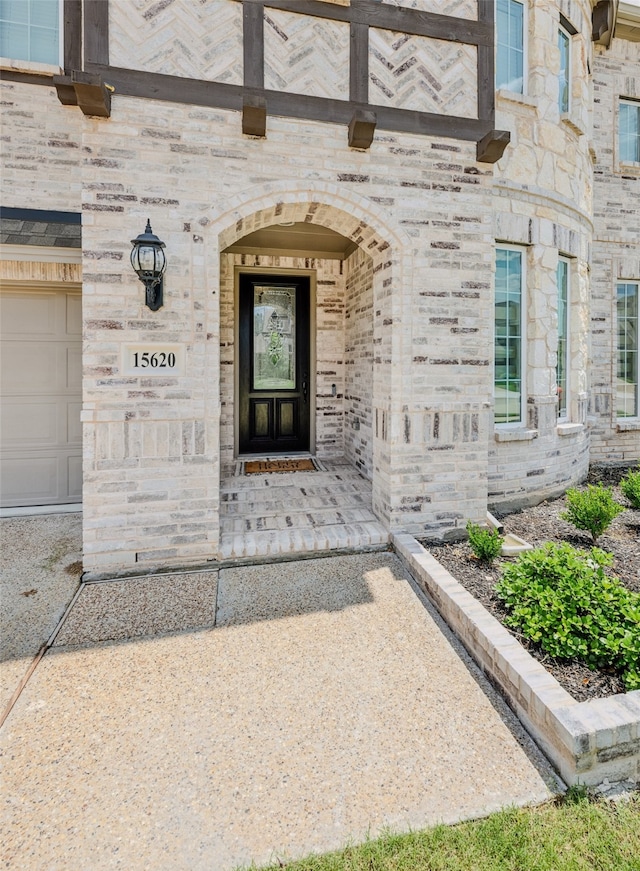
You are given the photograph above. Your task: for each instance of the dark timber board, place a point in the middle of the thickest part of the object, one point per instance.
(393, 18)
(360, 15)
(219, 95)
(253, 44)
(359, 63)
(96, 31)
(72, 35)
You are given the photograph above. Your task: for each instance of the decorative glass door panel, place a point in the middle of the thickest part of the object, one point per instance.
(274, 364)
(274, 338)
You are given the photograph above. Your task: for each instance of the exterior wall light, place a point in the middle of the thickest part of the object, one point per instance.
(149, 262)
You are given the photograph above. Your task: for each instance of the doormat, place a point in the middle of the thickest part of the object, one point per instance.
(253, 467)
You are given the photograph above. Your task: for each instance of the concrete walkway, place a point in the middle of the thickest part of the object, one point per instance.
(201, 721)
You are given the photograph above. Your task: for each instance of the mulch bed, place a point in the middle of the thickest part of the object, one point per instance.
(538, 525)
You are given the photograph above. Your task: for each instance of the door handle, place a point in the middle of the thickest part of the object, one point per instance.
(304, 388)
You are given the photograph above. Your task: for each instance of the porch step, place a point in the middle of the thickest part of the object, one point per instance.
(298, 512)
(302, 540)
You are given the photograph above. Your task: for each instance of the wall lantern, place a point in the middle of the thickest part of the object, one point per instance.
(149, 261)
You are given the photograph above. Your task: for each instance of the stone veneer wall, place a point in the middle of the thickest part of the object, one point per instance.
(41, 149)
(358, 352)
(542, 203)
(616, 249)
(329, 330)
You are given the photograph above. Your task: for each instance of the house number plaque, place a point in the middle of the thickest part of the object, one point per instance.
(153, 360)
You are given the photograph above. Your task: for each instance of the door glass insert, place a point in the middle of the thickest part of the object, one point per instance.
(274, 337)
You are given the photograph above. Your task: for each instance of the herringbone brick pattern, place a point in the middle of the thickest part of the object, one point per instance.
(200, 40)
(458, 8)
(426, 75)
(304, 55)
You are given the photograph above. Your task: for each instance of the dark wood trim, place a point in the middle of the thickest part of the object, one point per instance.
(359, 63)
(486, 82)
(26, 78)
(253, 44)
(254, 116)
(96, 31)
(72, 37)
(219, 95)
(568, 26)
(491, 147)
(362, 128)
(42, 215)
(389, 17)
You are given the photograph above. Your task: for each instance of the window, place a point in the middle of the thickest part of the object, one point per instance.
(509, 333)
(627, 397)
(562, 365)
(629, 132)
(30, 30)
(564, 47)
(510, 45)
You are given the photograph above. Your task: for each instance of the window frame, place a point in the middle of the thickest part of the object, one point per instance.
(564, 354)
(628, 101)
(522, 422)
(566, 33)
(524, 47)
(636, 399)
(29, 63)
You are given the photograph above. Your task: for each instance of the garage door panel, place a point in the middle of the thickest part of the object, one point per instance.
(41, 387)
(29, 367)
(29, 424)
(74, 478)
(30, 481)
(74, 425)
(74, 368)
(30, 314)
(74, 314)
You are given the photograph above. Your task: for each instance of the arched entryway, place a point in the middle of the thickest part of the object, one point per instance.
(347, 270)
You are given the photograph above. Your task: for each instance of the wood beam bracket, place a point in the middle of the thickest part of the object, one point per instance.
(254, 116)
(66, 91)
(603, 21)
(491, 147)
(361, 128)
(86, 90)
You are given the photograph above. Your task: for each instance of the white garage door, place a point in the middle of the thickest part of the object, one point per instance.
(40, 397)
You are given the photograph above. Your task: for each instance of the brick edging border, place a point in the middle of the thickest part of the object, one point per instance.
(587, 742)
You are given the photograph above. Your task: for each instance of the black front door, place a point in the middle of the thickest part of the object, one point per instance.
(274, 363)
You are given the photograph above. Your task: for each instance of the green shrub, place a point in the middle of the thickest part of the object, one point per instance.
(592, 509)
(562, 599)
(485, 543)
(630, 486)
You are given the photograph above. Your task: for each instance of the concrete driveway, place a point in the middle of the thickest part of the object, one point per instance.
(202, 721)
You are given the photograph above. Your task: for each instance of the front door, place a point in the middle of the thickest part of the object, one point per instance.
(274, 363)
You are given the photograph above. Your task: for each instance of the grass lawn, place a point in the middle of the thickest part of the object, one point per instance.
(574, 834)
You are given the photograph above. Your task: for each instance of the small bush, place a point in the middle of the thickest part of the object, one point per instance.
(592, 509)
(630, 486)
(485, 543)
(561, 598)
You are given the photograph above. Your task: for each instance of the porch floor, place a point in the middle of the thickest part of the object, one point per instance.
(282, 513)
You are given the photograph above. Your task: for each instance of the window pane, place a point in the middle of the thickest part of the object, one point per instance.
(508, 338)
(562, 365)
(16, 11)
(14, 41)
(510, 45)
(563, 95)
(629, 132)
(627, 364)
(44, 45)
(29, 30)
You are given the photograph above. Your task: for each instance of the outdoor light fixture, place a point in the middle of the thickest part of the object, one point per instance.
(149, 261)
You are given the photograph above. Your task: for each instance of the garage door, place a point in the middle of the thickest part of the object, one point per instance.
(40, 397)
